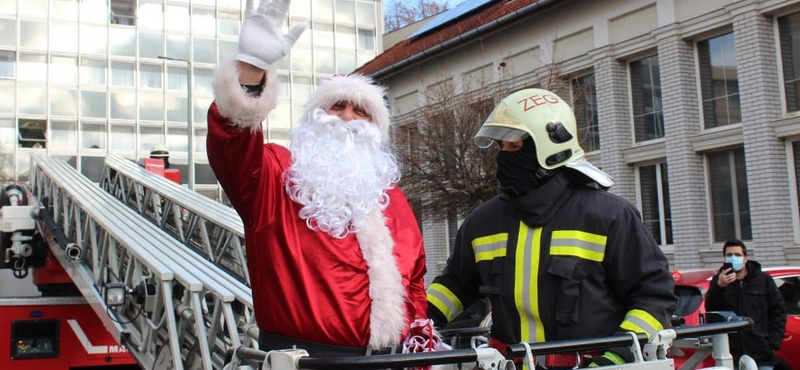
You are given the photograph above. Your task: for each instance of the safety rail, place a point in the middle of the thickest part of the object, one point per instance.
(208, 227)
(190, 322)
(649, 354)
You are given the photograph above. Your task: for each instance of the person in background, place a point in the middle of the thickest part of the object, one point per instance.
(740, 286)
(159, 151)
(335, 256)
(558, 256)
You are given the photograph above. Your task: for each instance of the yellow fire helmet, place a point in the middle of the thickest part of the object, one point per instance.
(550, 121)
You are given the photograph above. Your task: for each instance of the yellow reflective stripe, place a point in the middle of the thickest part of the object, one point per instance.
(613, 357)
(489, 247)
(526, 283)
(640, 321)
(576, 243)
(444, 300)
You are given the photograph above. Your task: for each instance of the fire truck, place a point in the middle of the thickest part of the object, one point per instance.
(137, 272)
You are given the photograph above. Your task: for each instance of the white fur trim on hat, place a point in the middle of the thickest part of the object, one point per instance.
(354, 88)
(387, 319)
(235, 104)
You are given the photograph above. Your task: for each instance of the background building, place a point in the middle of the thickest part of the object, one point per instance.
(691, 105)
(83, 78)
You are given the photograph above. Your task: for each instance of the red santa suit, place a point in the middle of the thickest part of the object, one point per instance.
(358, 291)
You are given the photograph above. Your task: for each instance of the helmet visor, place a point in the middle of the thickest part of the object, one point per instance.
(487, 135)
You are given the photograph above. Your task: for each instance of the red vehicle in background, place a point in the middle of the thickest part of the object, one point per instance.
(691, 287)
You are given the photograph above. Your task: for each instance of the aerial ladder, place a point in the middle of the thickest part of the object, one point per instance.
(163, 271)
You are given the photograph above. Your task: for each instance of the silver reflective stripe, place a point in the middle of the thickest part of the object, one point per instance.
(642, 324)
(594, 247)
(451, 306)
(525, 286)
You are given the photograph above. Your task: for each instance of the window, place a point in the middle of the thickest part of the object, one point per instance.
(301, 59)
(585, 106)
(7, 62)
(150, 45)
(178, 18)
(366, 13)
(33, 67)
(345, 62)
(204, 50)
(229, 23)
(8, 32)
(7, 134)
(93, 71)
(32, 133)
(33, 35)
(63, 101)
(200, 140)
(123, 12)
(93, 104)
(323, 34)
(150, 75)
(177, 108)
(64, 9)
(648, 117)
(203, 80)
(64, 37)
(323, 10)
(789, 287)
(654, 202)
(30, 99)
(122, 40)
(92, 167)
(366, 39)
(719, 81)
(176, 78)
(94, 11)
(151, 107)
(94, 39)
(203, 22)
(151, 15)
(122, 74)
(178, 47)
(324, 60)
(63, 70)
(345, 37)
(8, 102)
(345, 11)
(301, 88)
(123, 137)
(63, 135)
(730, 203)
(203, 174)
(789, 28)
(178, 138)
(123, 105)
(149, 137)
(93, 136)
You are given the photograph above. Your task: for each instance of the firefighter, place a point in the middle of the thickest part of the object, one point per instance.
(557, 255)
(160, 151)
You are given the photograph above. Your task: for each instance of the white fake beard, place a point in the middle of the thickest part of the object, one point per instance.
(340, 172)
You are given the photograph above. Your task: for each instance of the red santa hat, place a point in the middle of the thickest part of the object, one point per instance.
(357, 89)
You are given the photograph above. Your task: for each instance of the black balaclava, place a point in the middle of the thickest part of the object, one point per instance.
(519, 171)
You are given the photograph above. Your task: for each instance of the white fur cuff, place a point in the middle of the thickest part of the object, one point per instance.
(235, 104)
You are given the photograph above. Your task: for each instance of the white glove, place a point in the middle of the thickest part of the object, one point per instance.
(262, 41)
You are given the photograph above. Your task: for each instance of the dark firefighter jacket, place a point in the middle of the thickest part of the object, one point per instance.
(565, 261)
(757, 297)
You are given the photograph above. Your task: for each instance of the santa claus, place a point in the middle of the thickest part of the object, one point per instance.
(334, 252)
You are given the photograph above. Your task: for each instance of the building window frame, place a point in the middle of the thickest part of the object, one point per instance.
(792, 163)
(742, 218)
(706, 114)
(585, 107)
(656, 107)
(665, 237)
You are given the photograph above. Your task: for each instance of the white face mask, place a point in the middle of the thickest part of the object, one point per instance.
(736, 261)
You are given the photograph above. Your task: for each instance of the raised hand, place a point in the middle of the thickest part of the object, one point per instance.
(262, 42)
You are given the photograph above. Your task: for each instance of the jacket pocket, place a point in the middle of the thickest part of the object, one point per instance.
(568, 273)
(494, 280)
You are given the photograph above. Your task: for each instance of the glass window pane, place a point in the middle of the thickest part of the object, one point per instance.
(149, 137)
(63, 70)
(366, 39)
(33, 7)
(229, 23)
(31, 98)
(345, 11)
(301, 59)
(123, 41)
(93, 104)
(32, 133)
(364, 57)
(305, 37)
(123, 137)
(646, 99)
(178, 18)
(92, 167)
(280, 117)
(94, 39)
(301, 88)
(324, 61)
(585, 107)
(177, 109)
(227, 49)
(8, 101)
(178, 47)
(151, 107)
(200, 140)
(123, 105)
(94, 11)
(123, 12)
(323, 10)
(201, 105)
(151, 15)
(345, 62)
(150, 45)
(719, 80)
(64, 37)
(230, 4)
(178, 138)
(63, 135)
(204, 51)
(176, 78)
(93, 71)
(649, 195)
(300, 8)
(789, 28)
(283, 86)
(33, 35)
(121, 74)
(7, 62)
(203, 79)
(345, 37)
(323, 34)
(8, 7)
(203, 22)
(366, 13)
(63, 102)
(150, 75)
(93, 136)
(33, 67)
(64, 9)
(8, 32)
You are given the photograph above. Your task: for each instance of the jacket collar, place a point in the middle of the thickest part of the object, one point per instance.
(540, 205)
